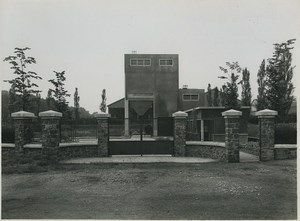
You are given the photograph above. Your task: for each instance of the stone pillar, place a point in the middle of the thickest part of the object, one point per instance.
(179, 133)
(202, 130)
(126, 120)
(103, 135)
(232, 127)
(50, 133)
(22, 126)
(267, 130)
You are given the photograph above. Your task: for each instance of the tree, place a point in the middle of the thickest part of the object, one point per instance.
(76, 104)
(22, 84)
(230, 88)
(209, 96)
(103, 103)
(246, 88)
(279, 74)
(216, 100)
(59, 92)
(261, 81)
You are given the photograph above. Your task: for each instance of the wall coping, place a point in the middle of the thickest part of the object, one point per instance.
(102, 115)
(22, 114)
(205, 143)
(50, 114)
(285, 146)
(180, 114)
(232, 113)
(33, 146)
(266, 113)
(77, 144)
(10, 145)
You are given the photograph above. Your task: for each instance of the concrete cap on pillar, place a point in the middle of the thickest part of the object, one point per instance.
(50, 114)
(266, 113)
(22, 114)
(231, 114)
(102, 115)
(179, 114)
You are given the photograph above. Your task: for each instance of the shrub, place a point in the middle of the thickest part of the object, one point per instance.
(285, 134)
(8, 135)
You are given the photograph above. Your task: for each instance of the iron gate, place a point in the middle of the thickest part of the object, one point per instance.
(140, 139)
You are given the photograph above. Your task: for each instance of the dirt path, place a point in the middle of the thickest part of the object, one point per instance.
(154, 191)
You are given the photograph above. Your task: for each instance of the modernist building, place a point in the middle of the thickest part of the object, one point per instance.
(152, 92)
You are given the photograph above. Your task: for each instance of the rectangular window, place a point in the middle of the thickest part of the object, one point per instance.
(166, 62)
(190, 97)
(140, 62)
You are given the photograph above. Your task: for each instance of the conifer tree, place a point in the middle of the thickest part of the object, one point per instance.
(261, 81)
(246, 88)
(209, 95)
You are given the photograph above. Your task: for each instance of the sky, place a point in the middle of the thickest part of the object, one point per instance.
(88, 39)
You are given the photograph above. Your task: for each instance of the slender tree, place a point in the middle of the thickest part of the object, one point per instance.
(103, 103)
(216, 100)
(76, 104)
(279, 74)
(209, 96)
(23, 84)
(230, 88)
(59, 92)
(261, 81)
(246, 88)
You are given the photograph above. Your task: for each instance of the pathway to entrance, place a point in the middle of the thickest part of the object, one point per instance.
(244, 157)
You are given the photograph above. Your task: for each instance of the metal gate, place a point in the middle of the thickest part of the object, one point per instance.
(140, 139)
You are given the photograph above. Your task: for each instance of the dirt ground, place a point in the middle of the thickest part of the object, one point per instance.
(154, 191)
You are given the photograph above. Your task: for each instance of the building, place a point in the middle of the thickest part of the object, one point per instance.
(152, 94)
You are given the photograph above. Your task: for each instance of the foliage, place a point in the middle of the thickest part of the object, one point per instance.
(285, 134)
(59, 92)
(209, 95)
(216, 98)
(261, 81)
(22, 85)
(230, 88)
(279, 74)
(103, 103)
(246, 88)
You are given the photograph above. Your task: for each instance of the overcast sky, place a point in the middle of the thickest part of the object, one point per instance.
(88, 38)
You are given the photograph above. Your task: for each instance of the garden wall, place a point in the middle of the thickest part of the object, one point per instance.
(205, 149)
(285, 151)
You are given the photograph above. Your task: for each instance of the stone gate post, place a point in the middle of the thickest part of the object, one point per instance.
(232, 127)
(22, 127)
(102, 133)
(179, 133)
(267, 131)
(50, 133)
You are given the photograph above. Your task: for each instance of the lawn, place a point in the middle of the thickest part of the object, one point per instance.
(154, 191)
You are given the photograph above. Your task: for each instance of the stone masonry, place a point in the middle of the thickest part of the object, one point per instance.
(179, 133)
(22, 126)
(232, 127)
(102, 131)
(50, 133)
(267, 130)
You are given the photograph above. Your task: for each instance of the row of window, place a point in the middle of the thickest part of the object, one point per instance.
(147, 62)
(190, 97)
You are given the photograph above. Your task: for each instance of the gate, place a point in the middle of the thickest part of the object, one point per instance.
(139, 139)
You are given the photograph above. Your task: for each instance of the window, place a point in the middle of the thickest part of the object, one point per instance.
(166, 62)
(140, 62)
(190, 97)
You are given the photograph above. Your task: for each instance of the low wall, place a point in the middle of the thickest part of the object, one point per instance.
(205, 149)
(285, 151)
(251, 147)
(75, 150)
(243, 138)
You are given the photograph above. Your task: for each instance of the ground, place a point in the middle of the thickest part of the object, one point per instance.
(154, 191)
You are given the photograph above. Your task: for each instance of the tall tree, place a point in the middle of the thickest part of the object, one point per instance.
(103, 102)
(216, 100)
(59, 92)
(23, 84)
(76, 104)
(246, 88)
(279, 73)
(209, 95)
(261, 81)
(230, 88)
